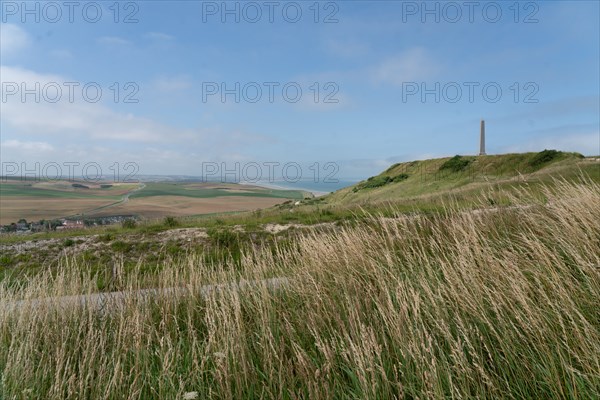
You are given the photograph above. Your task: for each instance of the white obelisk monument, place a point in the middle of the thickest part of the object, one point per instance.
(482, 139)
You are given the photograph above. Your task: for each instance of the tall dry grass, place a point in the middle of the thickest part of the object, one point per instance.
(501, 303)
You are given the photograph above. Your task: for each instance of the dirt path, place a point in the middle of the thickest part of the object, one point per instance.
(123, 200)
(114, 301)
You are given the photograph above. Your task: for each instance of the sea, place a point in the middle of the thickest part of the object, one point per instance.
(317, 188)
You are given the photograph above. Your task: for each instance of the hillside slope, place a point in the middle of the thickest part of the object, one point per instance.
(464, 173)
(456, 305)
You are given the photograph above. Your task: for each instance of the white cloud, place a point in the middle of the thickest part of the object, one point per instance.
(13, 38)
(82, 132)
(27, 146)
(78, 119)
(415, 64)
(158, 36)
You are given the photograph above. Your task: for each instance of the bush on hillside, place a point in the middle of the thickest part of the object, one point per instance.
(170, 222)
(456, 164)
(129, 224)
(121, 246)
(544, 157)
(223, 237)
(379, 181)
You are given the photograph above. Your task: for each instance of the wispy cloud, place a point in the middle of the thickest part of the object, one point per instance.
(27, 145)
(93, 131)
(12, 39)
(80, 118)
(158, 36)
(585, 143)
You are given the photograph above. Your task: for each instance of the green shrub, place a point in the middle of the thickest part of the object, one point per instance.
(121, 246)
(223, 237)
(375, 182)
(544, 157)
(456, 163)
(379, 181)
(129, 224)
(327, 213)
(400, 178)
(107, 237)
(68, 242)
(173, 248)
(170, 222)
(6, 261)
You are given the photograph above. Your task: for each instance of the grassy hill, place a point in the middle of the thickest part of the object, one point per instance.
(464, 173)
(467, 277)
(489, 303)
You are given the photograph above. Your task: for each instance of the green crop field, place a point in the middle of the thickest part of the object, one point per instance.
(24, 190)
(183, 189)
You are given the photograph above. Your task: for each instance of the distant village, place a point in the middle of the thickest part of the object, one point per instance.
(23, 226)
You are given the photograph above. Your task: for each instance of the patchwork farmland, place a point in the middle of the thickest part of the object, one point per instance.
(36, 200)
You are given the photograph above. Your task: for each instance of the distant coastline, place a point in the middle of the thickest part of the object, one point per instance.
(318, 189)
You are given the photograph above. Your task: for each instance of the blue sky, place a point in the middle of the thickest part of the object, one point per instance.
(368, 55)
